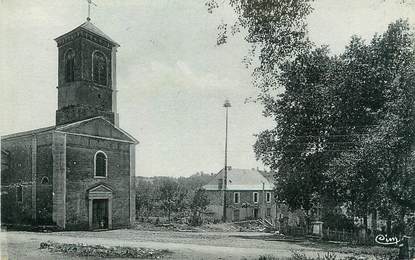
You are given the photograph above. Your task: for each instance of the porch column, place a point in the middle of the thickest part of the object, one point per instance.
(90, 213)
(110, 213)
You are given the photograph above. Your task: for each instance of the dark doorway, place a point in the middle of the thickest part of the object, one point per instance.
(255, 213)
(100, 214)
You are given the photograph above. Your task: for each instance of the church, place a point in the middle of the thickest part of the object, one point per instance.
(78, 174)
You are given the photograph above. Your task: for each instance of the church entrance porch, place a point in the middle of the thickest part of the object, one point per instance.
(100, 207)
(100, 214)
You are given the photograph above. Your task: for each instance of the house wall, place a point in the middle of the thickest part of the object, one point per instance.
(29, 161)
(215, 203)
(80, 153)
(245, 208)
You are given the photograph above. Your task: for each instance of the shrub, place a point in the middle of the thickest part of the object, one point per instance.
(103, 251)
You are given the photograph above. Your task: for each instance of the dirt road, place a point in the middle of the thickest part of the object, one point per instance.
(206, 245)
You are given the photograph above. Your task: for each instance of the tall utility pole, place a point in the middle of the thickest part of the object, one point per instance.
(263, 200)
(226, 106)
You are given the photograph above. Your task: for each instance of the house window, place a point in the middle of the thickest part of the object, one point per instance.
(45, 180)
(268, 212)
(100, 164)
(19, 193)
(69, 66)
(255, 197)
(268, 197)
(236, 197)
(99, 68)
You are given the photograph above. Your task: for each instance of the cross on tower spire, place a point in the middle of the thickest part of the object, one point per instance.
(89, 9)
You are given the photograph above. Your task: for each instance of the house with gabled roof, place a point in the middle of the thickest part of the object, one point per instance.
(249, 195)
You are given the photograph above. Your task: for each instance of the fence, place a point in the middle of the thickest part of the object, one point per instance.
(350, 237)
(294, 231)
(342, 235)
(332, 235)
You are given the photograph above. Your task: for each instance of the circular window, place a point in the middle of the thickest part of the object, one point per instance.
(45, 180)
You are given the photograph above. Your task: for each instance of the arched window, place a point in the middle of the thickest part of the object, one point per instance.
(100, 164)
(45, 180)
(99, 68)
(69, 66)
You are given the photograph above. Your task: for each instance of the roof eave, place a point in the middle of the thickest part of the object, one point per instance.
(113, 43)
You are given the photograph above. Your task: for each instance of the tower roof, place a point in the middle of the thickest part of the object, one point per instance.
(90, 27)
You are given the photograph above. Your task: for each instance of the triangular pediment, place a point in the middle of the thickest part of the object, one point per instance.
(97, 127)
(100, 189)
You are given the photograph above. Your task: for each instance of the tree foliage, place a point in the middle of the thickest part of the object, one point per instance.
(344, 129)
(171, 196)
(276, 31)
(199, 205)
(168, 196)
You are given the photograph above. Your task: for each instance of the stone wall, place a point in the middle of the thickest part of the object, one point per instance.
(29, 161)
(245, 206)
(59, 179)
(44, 179)
(80, 177)
(83, 98)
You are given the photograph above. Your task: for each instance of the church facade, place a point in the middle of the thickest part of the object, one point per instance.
(78, 174)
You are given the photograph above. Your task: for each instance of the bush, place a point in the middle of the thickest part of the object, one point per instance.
(338, 221)
(196, 220)
(102, 251)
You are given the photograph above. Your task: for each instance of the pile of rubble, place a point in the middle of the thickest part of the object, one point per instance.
(164, 227)
(103, 251)
(257, 225)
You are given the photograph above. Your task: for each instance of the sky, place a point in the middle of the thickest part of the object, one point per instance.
(172, 79)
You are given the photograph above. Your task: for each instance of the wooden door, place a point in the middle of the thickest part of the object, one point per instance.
(100, 214)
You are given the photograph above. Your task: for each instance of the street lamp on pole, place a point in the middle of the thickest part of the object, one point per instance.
(226, 105)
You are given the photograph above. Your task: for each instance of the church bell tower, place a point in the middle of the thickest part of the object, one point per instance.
(86, 75)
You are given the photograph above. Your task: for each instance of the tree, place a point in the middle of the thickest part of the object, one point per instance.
(144, 197)
(276, 31)
(294, 147)
(198, 205)
(195, 181)
(345, 127)
(379, 175)
(171, 196)
(348, 152)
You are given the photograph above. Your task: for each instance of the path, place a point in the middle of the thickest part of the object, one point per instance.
(207, 245)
